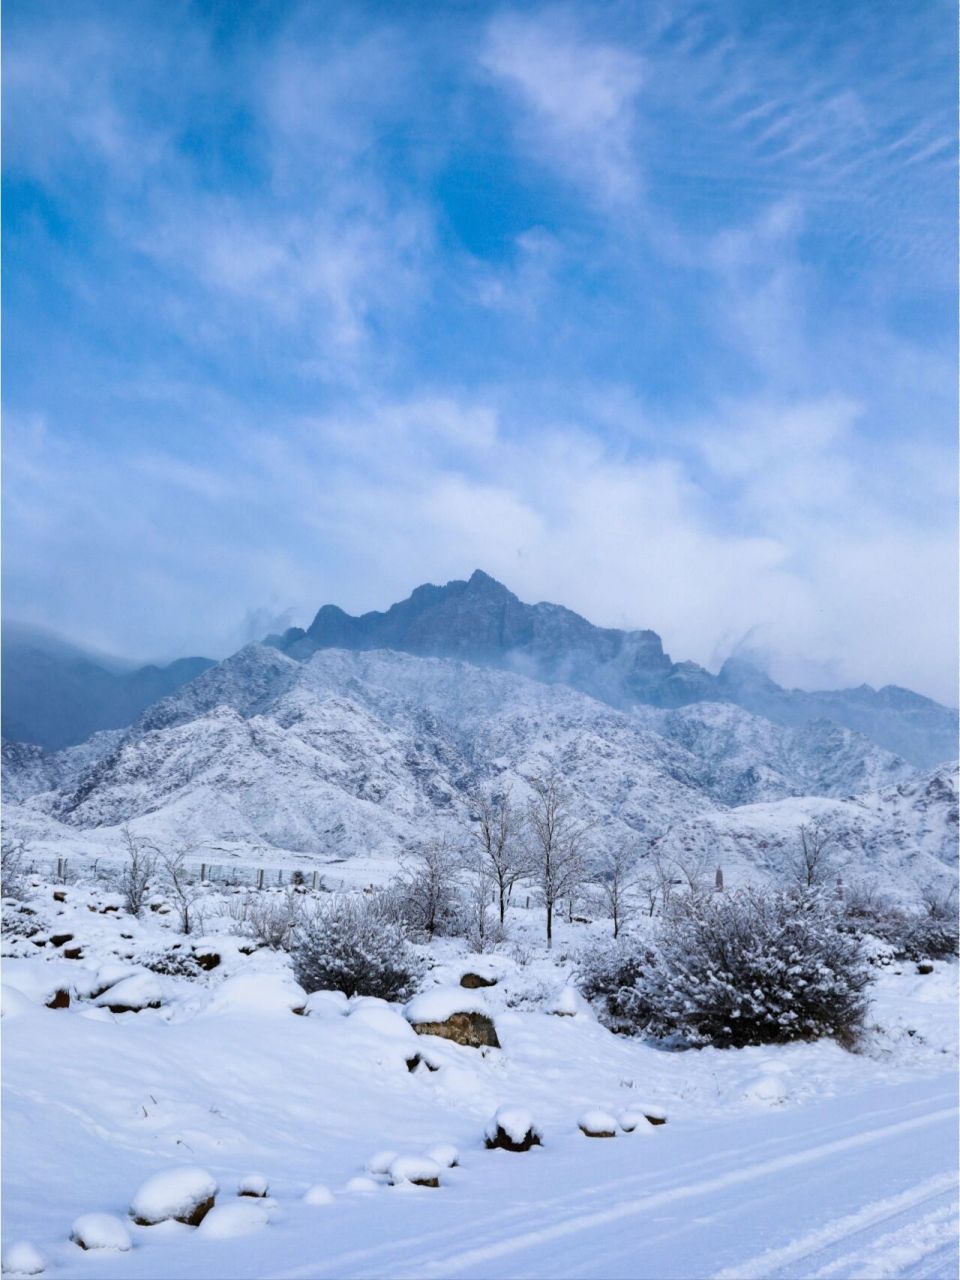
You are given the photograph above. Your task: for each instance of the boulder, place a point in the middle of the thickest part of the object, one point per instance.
(925, 966)
(473, 1029)
(450, 1013)
(60, 999)
(100, 1231)
(253, 1185)
(417, 1171)
(597, 1124)
(512, 1129)
(471, 981)
(183, 1195)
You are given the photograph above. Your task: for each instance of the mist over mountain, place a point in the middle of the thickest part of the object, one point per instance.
(480, 621)
(56, 694)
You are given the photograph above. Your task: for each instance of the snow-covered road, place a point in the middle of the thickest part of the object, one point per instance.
(851, 1187)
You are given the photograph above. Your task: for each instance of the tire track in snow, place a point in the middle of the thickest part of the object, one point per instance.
(483, 1255)
(767, 1264)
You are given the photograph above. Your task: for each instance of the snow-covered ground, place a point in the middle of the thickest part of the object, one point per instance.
(800, 1160)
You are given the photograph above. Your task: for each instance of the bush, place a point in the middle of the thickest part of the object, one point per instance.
(13, 881)
(610, 974)
(174, 962)
(750, 968)
(272, 919)
(930, 933)
(350, 944)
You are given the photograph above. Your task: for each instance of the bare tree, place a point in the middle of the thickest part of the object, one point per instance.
(12, 876)
(690, 867)
(557, 844)
(497, 828)
(615, 880)
(138, 872)
(813, 856)
(481, 927)
(428, 886)
(183, 891)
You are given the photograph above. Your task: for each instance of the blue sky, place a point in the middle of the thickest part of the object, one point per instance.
(646, 308)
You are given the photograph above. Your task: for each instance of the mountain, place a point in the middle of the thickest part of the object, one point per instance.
(56, 695)
(481, 622)
(344, 754)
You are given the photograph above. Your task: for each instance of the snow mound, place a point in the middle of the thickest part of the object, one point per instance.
(444, 1154)
(22, 1259)
(318, 1194)
(631, 1120)
(175, 1193)
(12, 1003)
(100, 1231)
(326, 1004)
(259, 993)
(382, 1019)
(130, 995)
(442, 1003)
(238, 1218)
(419, 1170)
(379, 1163)
(361, 1183)
(597, 1124)
(254, 1184)
(515, 1122)
(571, 1004)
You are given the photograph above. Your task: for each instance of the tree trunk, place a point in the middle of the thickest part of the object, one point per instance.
(549, 925)
(503, 904)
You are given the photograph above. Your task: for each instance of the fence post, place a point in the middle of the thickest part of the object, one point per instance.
(260, 878)
(280, 876)
(314, 882)
(59, 868)
(203, 871)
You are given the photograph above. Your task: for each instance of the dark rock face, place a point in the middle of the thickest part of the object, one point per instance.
(480, 621)
(502, 1141)
(474, 980)
(473, 1029)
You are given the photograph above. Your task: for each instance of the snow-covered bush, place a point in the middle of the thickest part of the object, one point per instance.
(427, 891)
(137, 873)
(272, 919)
(610, 974)
(12, 876)
(350, 944)
(755, 967)
(173, 961)
(927, 933)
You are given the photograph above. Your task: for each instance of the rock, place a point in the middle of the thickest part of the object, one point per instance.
(254, 1184)
(73, 953)
(925, 966)
(474, 980)
(183, 1195)
(207, 959)
(597, 1124)
(318, 1194)
(100, 1231)
(59, 895)
(444, 1154)
(58, 939)
(60, 999)
(22, 1259)
(655, 1115)
(512, 1129)
(473, 1029)
(130, 995)
(418, 1060)
(418, 1171)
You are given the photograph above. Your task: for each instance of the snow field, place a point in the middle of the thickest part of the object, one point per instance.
(225, 1078)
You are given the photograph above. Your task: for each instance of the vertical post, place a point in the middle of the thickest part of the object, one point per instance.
(280, 876)
(314, 882)
(59, 868)
(260, 878)
(719, 880)
(203, 871)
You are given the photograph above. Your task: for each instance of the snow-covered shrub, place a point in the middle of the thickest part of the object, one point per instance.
(427, 891)
(272, 919)
(13, 880)
(137, 873)
(350, 944)
(755, 967)
(174, 962)
(927, 933)
(610, 974)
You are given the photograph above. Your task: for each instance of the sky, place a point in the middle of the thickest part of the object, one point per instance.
(644, 308)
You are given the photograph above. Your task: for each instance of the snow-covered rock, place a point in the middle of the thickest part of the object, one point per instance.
(596, 1123)
(454, 1014)
(420, 1171)
(254, 1185)
(185, 1194)
(318, 1195)
(444, 1154)
(100, 1231)
(23, 1259)
(130, 995)
(512, 1129)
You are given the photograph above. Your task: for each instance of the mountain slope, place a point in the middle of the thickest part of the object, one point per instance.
(480, 621)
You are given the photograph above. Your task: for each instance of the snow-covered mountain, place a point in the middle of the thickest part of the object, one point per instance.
(481, 621)
(346, 753)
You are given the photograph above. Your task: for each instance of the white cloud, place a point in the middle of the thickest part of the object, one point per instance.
(577, 96)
